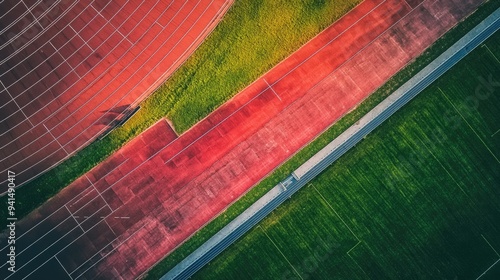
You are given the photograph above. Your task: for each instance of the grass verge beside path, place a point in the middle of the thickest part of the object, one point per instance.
(204, 234)
(420, 195)
(253, 37)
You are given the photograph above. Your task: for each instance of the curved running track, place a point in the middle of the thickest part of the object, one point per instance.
(70, 70)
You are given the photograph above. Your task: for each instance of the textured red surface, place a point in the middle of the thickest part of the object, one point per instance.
(146, 200)
(93, 62)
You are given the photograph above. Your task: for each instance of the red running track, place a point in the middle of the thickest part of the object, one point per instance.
(141, 203)
(73, 69)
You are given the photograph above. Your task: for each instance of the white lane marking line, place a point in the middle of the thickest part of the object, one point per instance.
(468, 124)
(484, 45)
(116, 235)
(15, 102)
(298, 274)
(63, 267)
(498, 255)
(488, 269)
(269, 86)
(62, 147)
(98, 192)
(495, 133)
(74, 218)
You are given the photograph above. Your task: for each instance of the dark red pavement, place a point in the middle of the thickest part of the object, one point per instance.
(148, 199)
(93, 62)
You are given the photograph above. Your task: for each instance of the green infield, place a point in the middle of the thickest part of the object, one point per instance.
(322, 244)
(417, 199)
(253, 37)
(234, 210)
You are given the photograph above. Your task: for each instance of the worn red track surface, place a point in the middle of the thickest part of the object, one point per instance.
(81, 66)
(148, 198)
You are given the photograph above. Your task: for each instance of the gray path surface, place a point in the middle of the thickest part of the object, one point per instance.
(330, 153)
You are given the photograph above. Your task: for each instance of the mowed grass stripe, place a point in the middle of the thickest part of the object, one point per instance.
(476, 102)
(249, 251)
(429, 144)
(322, 231)
(324, 241)
(421, 194)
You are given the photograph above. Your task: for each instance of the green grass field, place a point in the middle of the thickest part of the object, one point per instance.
(253, 36)
(417, 199)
